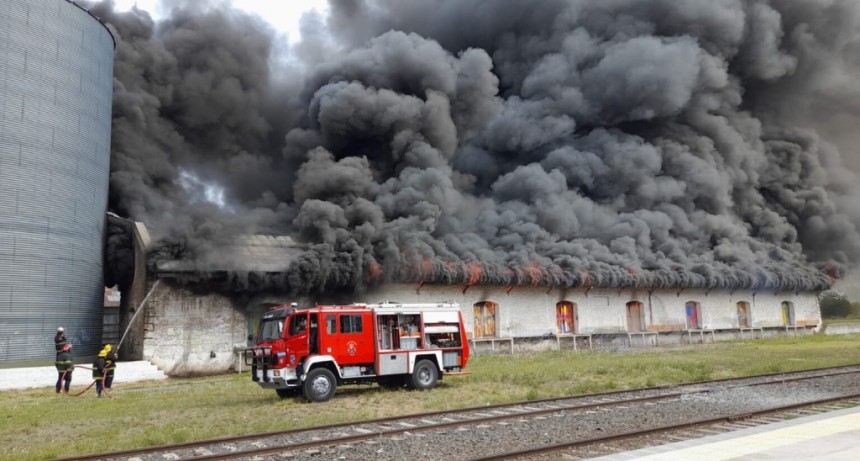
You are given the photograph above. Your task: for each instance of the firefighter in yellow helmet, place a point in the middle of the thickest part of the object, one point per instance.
(99, 371)
(110, 365)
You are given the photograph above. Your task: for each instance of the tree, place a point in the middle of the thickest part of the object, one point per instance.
(835, 305)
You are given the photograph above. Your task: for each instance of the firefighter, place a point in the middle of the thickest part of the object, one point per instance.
(299, 326)
(60, 340)
(110, 366)
(65, 366)
(99, 371)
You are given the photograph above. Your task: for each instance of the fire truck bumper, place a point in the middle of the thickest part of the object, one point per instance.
(276, 378)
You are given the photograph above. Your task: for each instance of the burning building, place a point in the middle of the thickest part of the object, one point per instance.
(586, 168)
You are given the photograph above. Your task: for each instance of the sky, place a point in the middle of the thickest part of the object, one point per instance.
(283, 15)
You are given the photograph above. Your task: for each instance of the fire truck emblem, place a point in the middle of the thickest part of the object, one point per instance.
(351, 347)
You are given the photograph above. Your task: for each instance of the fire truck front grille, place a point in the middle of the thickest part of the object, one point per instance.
(260, 357)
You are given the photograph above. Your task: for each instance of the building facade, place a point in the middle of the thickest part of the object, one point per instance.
(190, 330)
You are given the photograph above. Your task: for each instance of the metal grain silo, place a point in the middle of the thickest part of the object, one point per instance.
(56, 75)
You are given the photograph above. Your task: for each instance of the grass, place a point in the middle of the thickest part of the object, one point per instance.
(39, 424)
(831, 321)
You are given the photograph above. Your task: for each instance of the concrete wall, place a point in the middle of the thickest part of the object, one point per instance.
(527, 312)
(191, 330)
(191, 333)
(199, 332)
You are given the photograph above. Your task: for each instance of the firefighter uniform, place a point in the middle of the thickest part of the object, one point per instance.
(110, 365)
(65, 366)
(99, 371)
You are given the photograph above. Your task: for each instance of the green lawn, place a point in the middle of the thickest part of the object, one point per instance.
(840, 320)
(39, 424)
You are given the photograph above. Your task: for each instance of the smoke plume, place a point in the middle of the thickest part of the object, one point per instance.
(619, 143)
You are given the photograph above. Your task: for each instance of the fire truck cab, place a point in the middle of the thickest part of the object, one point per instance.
(314, 350)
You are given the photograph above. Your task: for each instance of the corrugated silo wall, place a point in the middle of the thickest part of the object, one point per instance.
(56, 81)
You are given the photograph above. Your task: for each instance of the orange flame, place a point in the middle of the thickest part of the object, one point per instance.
(534, 274)
(426, 269)
(374, 271)
(586, 278)
(831, 270)
(472, 272)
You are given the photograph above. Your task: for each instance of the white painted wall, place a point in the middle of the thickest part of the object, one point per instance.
(531, 311)
(183, 328)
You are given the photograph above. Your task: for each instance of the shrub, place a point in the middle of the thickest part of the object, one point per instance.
(836, 305)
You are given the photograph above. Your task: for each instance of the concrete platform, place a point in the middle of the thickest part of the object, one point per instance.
(831, 436)
(35, 377)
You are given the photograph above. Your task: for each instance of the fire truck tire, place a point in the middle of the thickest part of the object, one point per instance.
(424, 376)
(319, 385)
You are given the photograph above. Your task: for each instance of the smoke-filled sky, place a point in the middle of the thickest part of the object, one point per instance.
(654, 143)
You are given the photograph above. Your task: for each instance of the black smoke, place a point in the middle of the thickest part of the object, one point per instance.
(620, 143)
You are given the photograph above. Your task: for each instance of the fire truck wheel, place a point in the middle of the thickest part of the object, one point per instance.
(424, 375)
(319, 385)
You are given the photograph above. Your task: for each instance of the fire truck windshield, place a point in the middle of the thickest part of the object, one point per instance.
(271, 329)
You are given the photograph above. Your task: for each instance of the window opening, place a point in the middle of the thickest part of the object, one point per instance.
(788, 313)
(694, 317)
(565, 316)
(350, 324)
(743, 314)
(298, 324)
(271, 329)
(485, 319)
(635, 317)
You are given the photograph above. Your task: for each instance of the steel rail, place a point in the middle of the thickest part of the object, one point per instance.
(458, 412)
(345, 440)
(667, 428)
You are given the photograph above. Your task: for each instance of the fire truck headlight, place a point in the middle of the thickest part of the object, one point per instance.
(276, 372)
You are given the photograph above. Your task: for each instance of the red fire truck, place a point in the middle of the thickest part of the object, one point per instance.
(313, 350)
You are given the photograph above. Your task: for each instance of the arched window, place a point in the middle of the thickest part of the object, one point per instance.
(788, 313)
(743, 314)
(694, 317)
(635, 316)
(565, 317)
(485, 319)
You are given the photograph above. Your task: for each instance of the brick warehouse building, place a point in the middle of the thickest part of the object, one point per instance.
(188, 326)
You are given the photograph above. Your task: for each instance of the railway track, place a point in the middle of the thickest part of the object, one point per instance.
(474, 427)
(602, 446)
